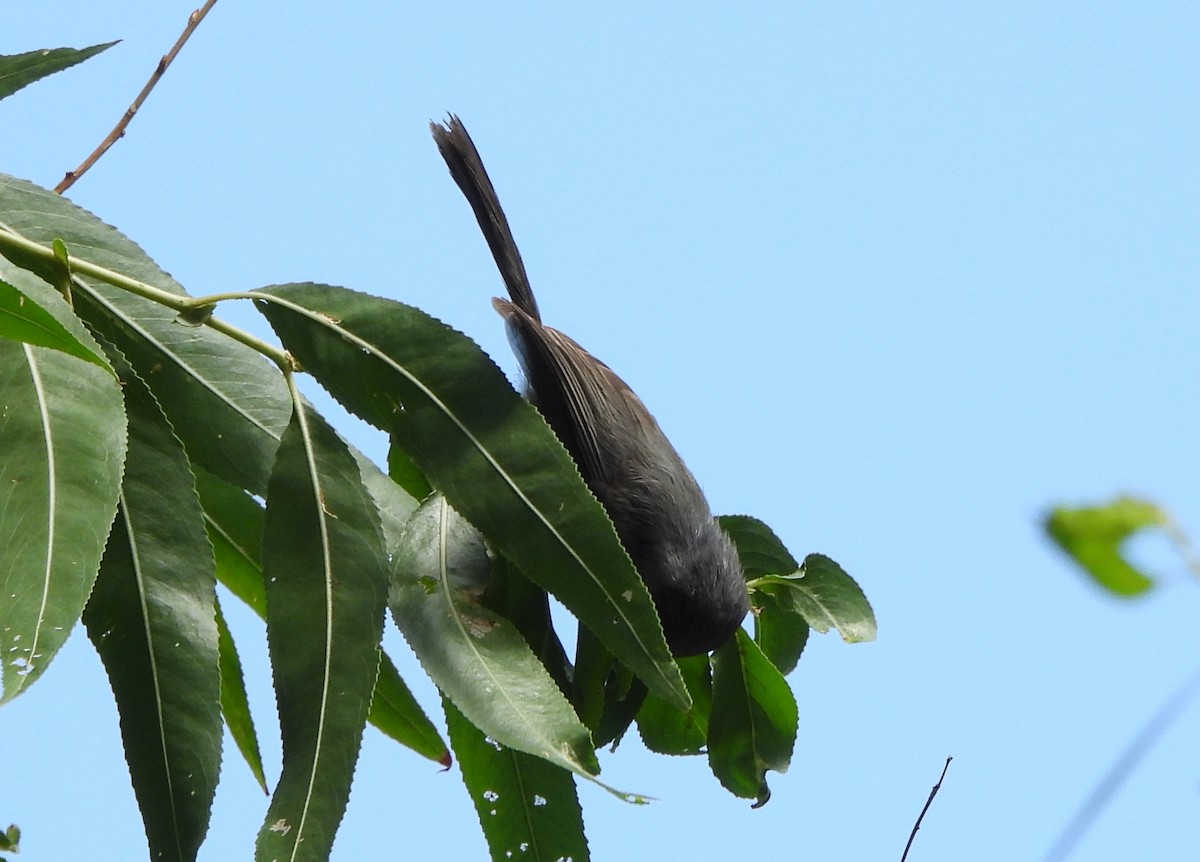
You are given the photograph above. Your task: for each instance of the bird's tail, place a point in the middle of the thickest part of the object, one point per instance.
(468, 171)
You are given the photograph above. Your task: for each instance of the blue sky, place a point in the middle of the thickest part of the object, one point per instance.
(894, 278)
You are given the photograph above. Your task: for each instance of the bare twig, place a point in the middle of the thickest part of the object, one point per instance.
(1119, 772)
(119, 129)
(928, 802)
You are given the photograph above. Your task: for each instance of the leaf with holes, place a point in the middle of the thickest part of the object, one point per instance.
(326, 577)
(528, 808)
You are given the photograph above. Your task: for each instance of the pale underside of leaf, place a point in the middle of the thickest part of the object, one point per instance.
(478, 659)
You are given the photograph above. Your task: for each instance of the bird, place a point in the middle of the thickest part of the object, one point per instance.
(687, 562)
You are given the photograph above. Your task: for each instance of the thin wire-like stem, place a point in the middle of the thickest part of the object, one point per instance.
(932, 793)
(1183, 544)
(1123, 766)
(119, 129)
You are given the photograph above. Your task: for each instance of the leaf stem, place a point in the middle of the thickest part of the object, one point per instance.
(175, 301)
(280, 357)
(766, 580)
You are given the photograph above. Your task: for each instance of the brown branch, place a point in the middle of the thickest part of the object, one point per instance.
(119, 129)
(921, 816)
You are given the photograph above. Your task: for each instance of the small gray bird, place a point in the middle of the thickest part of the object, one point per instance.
(661, 516)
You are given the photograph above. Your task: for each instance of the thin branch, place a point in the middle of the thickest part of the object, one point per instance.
(1123, 766)
(119, 129)
(928, 802)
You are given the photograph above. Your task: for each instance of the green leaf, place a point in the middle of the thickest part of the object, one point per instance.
(779, 631)
(477, 658)
(22, 319)
(754, 720)
(226, 403)
(621, 706)
(63, 439)
(151, 618)
(396, 713)
(406, 474)
(10, 839)
(394, 503)
(593, 666)
(526, 605)
(54, 303)
(234, 522)
(826, 597)
(788, 597)
(759, 549)
(485, 448)
(667, 730)
(606, 695)
(326, 580)
(235, 705)
(235, 526)
(20, 70)
(528, 808)
(1093, 537)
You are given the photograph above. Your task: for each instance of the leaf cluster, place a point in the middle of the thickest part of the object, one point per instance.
(149, 452)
